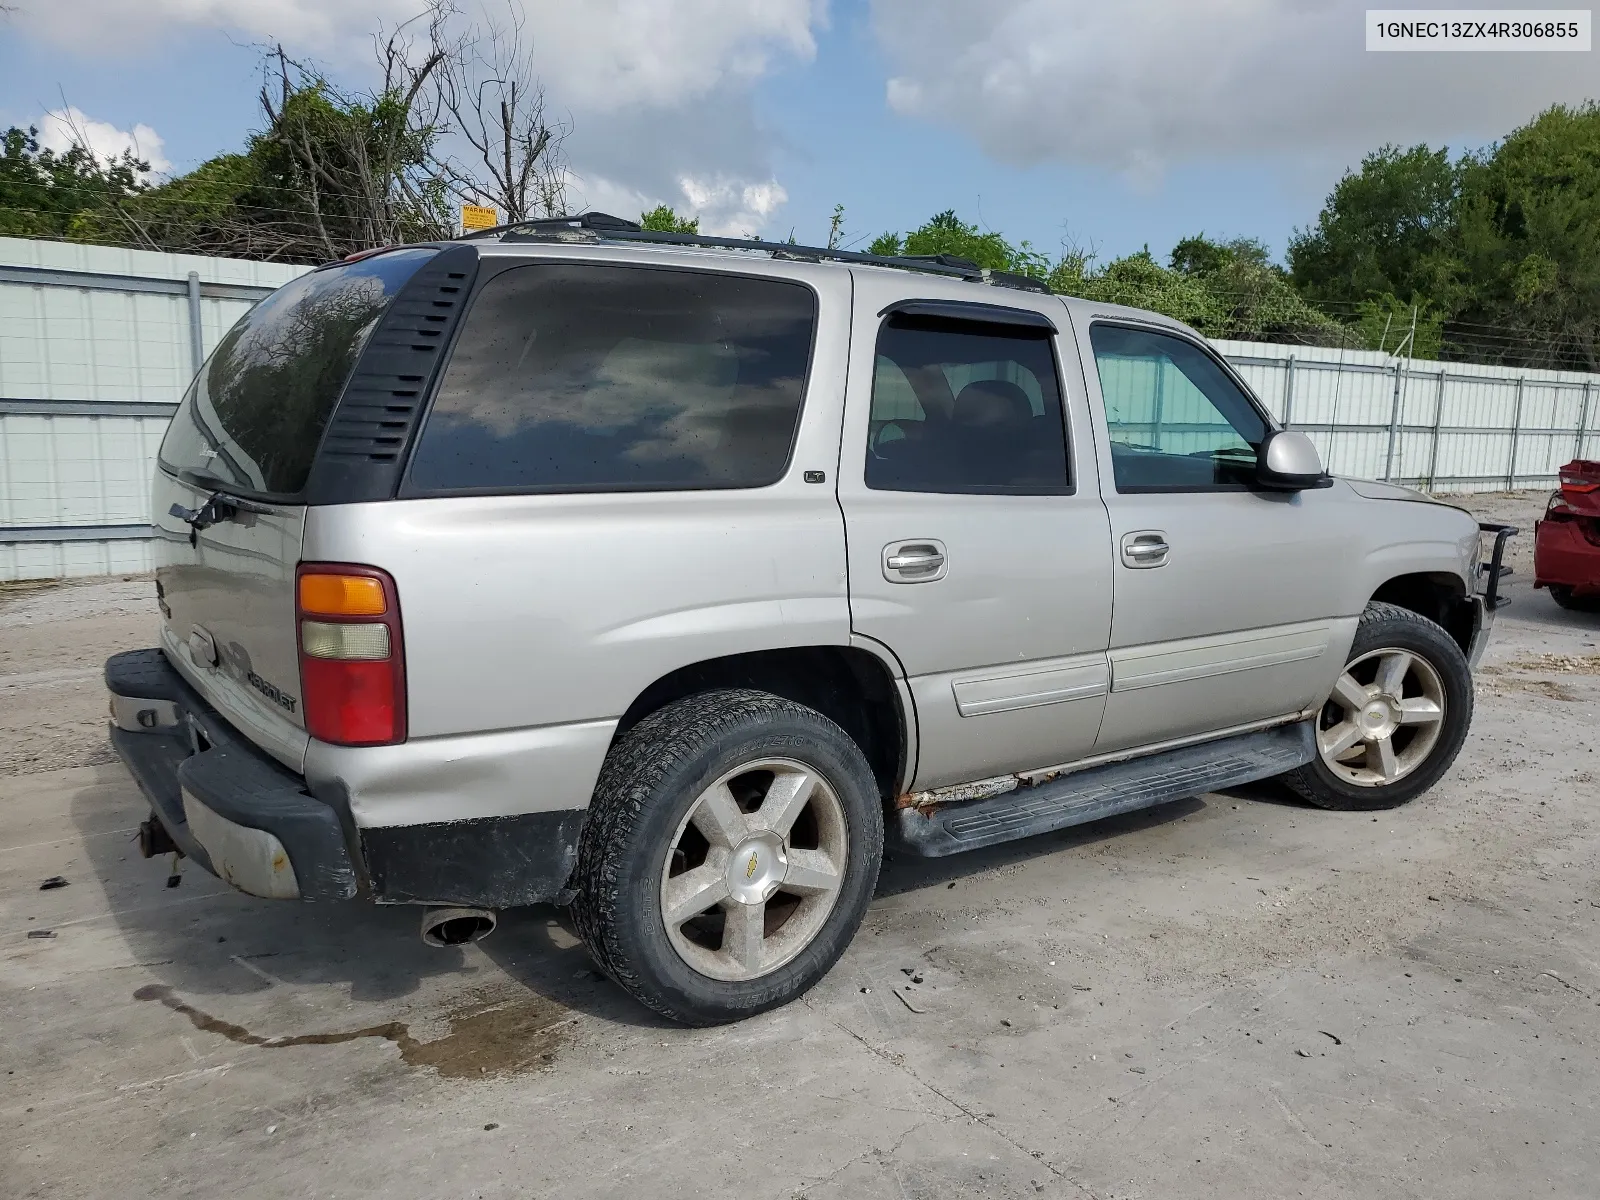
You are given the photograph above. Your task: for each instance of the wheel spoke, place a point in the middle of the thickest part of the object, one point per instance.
(785, 800)
(810, 872)
(718, 818)
(690, 894)
(1352, 696)
(1340, 738)
(1381, 759)
(1392, 673)
(1420, 711)
(743, 933)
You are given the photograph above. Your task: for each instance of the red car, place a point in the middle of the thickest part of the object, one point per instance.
(1566, 544)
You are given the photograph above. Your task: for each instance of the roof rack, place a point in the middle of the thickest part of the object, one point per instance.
(596, 227)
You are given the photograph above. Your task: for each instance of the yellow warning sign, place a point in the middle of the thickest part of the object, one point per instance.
(479, 216)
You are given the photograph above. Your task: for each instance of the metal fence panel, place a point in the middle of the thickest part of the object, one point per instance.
(97, 345)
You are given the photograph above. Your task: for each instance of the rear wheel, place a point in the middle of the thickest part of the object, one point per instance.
(730, 852)
(1397, 718)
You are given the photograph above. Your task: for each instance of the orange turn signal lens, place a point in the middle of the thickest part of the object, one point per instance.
(342, 595)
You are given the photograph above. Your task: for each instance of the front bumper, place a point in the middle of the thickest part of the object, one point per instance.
(1483, 605)
(225, 804)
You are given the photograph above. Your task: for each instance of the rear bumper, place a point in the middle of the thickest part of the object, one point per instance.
(250, 821)
(226, 805)
(1563, 556)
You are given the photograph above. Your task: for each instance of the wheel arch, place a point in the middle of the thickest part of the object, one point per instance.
(1440, 596)
(851, 686)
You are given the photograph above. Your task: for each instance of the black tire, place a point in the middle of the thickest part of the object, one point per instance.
(1387, 626)
(1563, 596)
(651, 778)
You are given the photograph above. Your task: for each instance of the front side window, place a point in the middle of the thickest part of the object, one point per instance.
(1177, 422)
(964, 407)
(576, 377)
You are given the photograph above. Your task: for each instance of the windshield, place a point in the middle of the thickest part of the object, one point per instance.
(253, 417)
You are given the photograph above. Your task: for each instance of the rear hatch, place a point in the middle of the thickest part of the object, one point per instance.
(229, 490)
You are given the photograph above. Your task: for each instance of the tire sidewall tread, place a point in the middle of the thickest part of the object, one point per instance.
(651, 776)
(1384, 626)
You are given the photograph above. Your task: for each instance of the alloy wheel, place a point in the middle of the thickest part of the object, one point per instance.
(1383, 719)
(754, 869)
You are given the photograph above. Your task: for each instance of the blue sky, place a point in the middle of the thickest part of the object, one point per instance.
(1109, 125)
(841, 144)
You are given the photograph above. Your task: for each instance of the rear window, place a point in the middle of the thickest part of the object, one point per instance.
(572, 378)
(253, 417)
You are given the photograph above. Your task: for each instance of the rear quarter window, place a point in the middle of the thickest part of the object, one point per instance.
(254, 416)
(578, 377)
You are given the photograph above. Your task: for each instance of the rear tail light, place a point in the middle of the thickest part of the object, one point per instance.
(352, 654)
(1581, 476)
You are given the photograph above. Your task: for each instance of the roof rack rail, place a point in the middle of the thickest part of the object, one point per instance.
(596, 226)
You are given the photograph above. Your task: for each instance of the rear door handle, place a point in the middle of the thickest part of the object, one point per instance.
(1145, 548)
(914, 562)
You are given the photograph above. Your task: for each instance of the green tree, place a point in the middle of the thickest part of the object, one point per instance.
(662, 219)
(1224, 289)
(1140, 281)
(836, 227)
(1530, 242)
(1199, 255)
(332, 172)
(1388, 228)
(42, 192)
(946, 233)
(887, 244)
(1385, 322)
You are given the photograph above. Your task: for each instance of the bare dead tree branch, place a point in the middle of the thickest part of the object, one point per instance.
(498, 108)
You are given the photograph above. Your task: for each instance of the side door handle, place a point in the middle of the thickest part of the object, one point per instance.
(1145, 548)
(914, 562)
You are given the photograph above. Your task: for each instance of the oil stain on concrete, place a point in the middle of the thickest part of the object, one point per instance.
(504, 1038)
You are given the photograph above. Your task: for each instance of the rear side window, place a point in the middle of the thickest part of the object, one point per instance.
(959, 406)
(576, 377)
(253, 417)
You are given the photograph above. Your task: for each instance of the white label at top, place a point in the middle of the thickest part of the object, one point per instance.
(1475, 29)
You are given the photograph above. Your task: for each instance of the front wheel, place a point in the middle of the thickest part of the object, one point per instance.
(1397, 718)
(729, 855)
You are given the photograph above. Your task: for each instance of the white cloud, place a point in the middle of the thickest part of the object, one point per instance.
(731, 207)
(596, 54)
(1141, 84)
(609, 54)
(590, 191)
(63, 128)
(658, 90)
(318, 26)
(727, 206)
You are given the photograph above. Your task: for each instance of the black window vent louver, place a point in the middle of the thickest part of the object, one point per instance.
(364, 447)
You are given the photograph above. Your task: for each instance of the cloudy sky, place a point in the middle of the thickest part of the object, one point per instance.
(1106, 125)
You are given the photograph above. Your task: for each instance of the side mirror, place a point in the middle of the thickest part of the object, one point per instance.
(1288, 462)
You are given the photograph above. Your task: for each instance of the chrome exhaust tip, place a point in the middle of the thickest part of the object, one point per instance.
(457, 926)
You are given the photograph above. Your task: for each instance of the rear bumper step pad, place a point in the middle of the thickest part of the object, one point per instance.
(1105, 791)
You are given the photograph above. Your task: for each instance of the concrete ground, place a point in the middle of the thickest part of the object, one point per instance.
(1233, 996)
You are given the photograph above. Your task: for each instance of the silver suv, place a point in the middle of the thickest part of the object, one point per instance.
(665, 577)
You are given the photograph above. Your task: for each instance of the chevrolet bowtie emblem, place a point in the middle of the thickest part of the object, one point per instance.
(750, 867)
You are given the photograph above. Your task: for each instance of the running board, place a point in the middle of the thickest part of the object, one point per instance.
(1105, 791)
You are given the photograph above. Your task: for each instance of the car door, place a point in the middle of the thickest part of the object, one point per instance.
(1226, 604)
(979, 551)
